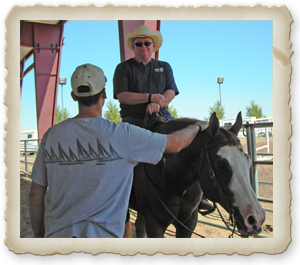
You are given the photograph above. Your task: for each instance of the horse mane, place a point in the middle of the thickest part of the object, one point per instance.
(173, 125)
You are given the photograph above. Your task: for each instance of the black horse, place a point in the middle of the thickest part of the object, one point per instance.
(170, 191)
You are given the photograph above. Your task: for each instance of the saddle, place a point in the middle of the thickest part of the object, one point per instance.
(150, 121)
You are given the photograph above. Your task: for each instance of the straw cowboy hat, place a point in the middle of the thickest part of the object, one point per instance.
(143, 31)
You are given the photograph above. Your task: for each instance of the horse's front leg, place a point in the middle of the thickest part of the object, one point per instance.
(154, 229)
(140, 227)
(182, 232)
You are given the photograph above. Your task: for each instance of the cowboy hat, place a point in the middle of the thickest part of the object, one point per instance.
(143, 31)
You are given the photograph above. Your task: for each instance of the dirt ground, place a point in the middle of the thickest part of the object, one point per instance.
(265, 173)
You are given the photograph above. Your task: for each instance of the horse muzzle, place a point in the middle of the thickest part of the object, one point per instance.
(250, 232)
(252, 223)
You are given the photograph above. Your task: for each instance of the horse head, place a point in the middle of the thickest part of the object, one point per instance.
(225, 177)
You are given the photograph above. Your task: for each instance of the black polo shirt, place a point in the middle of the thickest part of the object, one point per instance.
(155, 77)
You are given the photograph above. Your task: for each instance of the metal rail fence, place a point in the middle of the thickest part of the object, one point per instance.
(26, 150)
(251, 143)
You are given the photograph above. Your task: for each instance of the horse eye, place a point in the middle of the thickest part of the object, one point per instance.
(222, 164)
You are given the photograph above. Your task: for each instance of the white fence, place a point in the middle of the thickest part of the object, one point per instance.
(28, 151)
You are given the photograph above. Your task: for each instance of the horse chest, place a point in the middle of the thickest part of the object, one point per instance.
(186, 201)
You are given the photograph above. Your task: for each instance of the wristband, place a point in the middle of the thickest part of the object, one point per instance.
(149, 99)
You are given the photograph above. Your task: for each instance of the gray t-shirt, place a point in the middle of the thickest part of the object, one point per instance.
(88, 166)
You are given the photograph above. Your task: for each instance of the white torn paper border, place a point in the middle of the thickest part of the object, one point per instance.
(282, 20)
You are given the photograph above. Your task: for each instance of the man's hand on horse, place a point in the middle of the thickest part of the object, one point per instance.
(153, 108)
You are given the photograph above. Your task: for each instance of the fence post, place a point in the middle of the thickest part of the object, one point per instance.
(254, 173)
(267, 140)
(251, 145)
(25, 149)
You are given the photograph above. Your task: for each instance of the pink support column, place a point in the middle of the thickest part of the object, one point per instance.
(48, 41)
(130, 26)
(26, 41)
(45, 42)
(153, 25)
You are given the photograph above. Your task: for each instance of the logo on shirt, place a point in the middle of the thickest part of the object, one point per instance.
(159, 70)
(99, 154)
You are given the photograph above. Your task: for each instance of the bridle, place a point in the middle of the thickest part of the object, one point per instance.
(215, 181)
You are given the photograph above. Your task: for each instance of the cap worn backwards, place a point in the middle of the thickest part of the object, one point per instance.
(88, 75)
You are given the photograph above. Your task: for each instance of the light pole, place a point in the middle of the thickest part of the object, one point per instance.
(220, 81)
(62, 81)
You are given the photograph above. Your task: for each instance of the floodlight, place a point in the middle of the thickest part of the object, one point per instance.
(62, 80)
(220, 80)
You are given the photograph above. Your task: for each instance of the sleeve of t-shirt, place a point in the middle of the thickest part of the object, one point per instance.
(120, 80)
(144, 145)
(170, 81)
(39, 170)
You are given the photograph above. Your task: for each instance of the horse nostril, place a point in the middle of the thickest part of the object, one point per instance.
(251, 220)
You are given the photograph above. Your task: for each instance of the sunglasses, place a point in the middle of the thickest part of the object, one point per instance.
(140, 44)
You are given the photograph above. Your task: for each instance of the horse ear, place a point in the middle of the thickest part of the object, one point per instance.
(214, 125)
(237, 125)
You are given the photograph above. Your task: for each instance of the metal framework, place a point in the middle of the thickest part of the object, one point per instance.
(44, 40)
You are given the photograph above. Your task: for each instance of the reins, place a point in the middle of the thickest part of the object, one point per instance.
(216, 183)
(233, 222)
(165, 206)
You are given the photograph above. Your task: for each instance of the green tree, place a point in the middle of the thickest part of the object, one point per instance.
(112, 113)
(61, 114)
(218, 109)
(173, 111)
(254, 110)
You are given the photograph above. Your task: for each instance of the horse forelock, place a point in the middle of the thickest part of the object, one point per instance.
(232, 138)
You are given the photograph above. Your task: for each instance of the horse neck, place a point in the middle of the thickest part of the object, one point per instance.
(189, 160)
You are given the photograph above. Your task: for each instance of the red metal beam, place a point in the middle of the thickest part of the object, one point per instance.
(46, 41)
(130, 26)
(26, 40)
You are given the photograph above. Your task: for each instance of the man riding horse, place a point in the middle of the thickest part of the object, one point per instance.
(143, 84)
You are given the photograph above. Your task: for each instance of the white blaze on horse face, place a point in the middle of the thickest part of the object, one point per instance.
(244, 197)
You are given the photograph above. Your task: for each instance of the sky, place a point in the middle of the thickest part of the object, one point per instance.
(198, 51)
